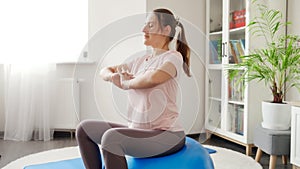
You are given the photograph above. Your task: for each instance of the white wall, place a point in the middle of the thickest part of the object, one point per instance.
(293, 16)
(103, 101)
(2, 117)
(99, 100)
(102, 13)
(96, 94)
(192, 16)
(107, 46)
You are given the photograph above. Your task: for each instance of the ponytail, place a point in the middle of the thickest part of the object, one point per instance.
(184, 49)
(166, 17)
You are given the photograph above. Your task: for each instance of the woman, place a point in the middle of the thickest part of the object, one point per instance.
(151, 81)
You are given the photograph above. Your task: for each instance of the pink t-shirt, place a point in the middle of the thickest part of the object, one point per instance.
(155, 108)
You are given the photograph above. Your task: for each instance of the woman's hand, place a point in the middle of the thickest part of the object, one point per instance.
(122, 80)
(116, 79)
(125, 80)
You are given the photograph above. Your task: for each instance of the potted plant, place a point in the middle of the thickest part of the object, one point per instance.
(277, 64)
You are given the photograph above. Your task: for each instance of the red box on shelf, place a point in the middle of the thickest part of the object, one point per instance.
(238, 19)
(240, 22)
(231, 25)
(239, 14)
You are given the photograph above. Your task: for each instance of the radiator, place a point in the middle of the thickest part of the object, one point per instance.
(66, 114)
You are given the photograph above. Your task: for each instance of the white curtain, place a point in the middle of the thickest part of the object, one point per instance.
(29, 90)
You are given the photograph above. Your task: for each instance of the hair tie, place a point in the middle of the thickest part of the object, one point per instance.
(177, 21)
(173, 43)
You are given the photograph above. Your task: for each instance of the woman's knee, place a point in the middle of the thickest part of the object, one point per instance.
(85, 129)
(112, 141)
(93, 129)
(80, 132)
(109, 137)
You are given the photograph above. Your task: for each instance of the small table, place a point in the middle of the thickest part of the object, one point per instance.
(272, 142)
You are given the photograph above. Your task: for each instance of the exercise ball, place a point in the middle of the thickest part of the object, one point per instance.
(192, 156)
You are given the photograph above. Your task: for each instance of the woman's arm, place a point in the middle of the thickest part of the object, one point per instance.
(108, 72)
(114, 73)
(150, 78)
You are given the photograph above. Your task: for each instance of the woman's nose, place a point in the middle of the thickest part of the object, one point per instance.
(145, 30)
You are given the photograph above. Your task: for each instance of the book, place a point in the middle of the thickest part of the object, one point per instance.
(242, 43)
(215, 51)
(232, 52)
(232, 114)
(236, 113)
(236, 50)
(240, 120)
(236, 88)
(240, 49)
(220, 50)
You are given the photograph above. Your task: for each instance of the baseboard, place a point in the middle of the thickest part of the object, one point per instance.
(200, 137)
(194, 136)
(63, 134)
(57, 134)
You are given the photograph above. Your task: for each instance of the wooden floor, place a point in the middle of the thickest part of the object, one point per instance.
(217, 141)
(12, 150)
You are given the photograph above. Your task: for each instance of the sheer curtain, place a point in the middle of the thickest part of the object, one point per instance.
(29, 93)
(34, 37)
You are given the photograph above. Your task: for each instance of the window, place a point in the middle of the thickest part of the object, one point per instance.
(35, 31)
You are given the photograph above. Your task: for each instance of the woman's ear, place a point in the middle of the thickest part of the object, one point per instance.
(167, 30)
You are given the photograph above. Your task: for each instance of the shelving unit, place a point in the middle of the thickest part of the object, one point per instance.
(295, 136)
(233, 109)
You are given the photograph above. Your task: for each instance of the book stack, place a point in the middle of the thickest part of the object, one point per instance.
(236, 88)
(236, 50)
(216, 51)
(237, 118)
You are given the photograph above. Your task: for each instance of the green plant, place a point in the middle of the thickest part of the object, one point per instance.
(278, 63)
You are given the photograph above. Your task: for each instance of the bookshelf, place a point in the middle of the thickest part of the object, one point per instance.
(232, 109)
(295, 135)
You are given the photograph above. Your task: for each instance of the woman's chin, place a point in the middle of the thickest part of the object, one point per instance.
(146, 43)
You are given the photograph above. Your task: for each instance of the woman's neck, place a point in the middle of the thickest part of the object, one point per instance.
(159, 51)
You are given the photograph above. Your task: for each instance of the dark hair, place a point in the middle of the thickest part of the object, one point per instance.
(165, 17)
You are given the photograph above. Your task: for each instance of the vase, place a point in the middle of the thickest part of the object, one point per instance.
(276, 116)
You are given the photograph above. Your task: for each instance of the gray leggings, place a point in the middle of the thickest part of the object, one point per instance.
(118, 140)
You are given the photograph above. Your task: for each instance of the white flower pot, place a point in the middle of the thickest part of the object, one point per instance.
(276, 116)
